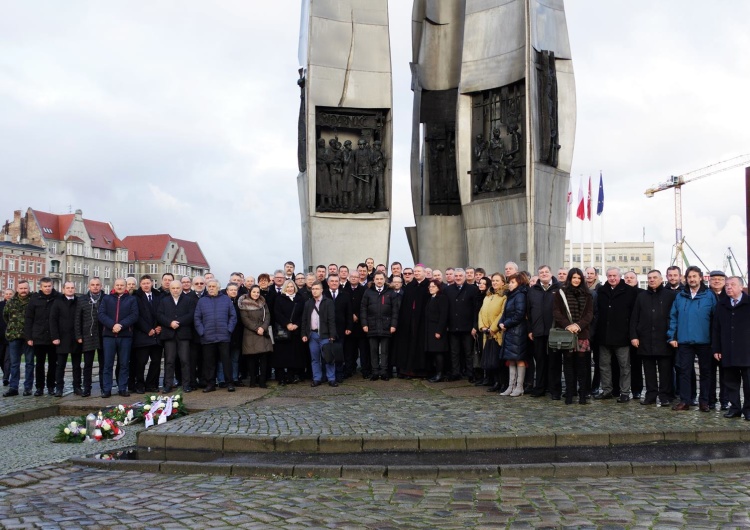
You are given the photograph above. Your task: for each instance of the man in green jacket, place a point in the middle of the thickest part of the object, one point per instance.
(14, 315)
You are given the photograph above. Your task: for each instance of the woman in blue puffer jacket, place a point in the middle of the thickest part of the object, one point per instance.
(513, 325)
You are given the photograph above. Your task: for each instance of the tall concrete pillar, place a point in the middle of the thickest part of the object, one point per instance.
(517, 91)
(346, 136)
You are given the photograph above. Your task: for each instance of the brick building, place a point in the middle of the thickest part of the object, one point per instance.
(21, 262)
(157, 254)
(76, 248)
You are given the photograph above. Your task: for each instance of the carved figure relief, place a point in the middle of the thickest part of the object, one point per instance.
(301, 125)
(350, 180)
(440, 144)
(547, 80)
(498, 164)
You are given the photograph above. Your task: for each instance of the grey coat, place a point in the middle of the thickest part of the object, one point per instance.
(87, 325)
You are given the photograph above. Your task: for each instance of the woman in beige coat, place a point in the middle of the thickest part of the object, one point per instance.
(256, 339)
(489, 315)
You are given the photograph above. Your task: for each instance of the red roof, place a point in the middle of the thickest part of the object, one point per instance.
(153, 247)
(55, 227)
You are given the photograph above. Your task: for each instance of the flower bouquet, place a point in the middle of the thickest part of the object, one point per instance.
(73, 432)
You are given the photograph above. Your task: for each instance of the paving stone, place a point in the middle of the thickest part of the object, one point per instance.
(527, 470)
(412, 472)
(263, 470)
(653, 468)
(316, 471)
(213, 442)
(718, 436)
(628, 438)
(616, 469)
(339, 444)
(390, 444)
(363, 472)
(292, 444)
(248, 444)
(581, 439)
(196, 468)
(468, 471)
(535, 440)
(730, 465)
(580, 469)
(478, 442)
(442, 443)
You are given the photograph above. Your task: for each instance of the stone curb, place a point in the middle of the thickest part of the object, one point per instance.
(29, 415)
(361, 444)
(565, 470)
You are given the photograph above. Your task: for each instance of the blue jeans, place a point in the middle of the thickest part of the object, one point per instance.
(234, 353)
(17, 348)
(316, 351)
(120, 347)
(686, 354)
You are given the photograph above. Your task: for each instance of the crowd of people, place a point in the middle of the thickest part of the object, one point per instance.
(499, 330)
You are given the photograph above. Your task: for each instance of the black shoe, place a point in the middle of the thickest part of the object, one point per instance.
(536, 394)
(86, 393)
(648, 402)
(436, 379)
(637, 396)
(282, 383)
(733, 414)
(6, 382)
(58, 394)
(27, 392)
(230, 388)
(333, 383)
(724, 406)
(556, 397)
(385, 378)
(374, 377)
(238, 383)
(139, 390)
(624, 398)
(106, 394)
(315, 383)
(166, 389)
(583, 401)
(209, 389)
(77, 391)
(222, 385)
(494, 388)
(11, 392)
(124, 393)
(608, 395)
(39, 393)
(747, 416)
(187, 389)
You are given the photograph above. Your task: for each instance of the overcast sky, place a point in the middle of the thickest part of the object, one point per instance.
(181, 117)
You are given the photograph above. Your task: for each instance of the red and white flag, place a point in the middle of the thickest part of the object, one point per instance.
(581, 212)
(588, 203)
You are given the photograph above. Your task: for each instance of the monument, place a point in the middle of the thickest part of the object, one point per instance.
(494, 126)
(345, 132)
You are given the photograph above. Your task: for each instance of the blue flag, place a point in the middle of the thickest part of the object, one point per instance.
(600, 202)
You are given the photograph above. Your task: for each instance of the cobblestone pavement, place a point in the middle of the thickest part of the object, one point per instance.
(67, 496)
(29, 444)
(413, 408)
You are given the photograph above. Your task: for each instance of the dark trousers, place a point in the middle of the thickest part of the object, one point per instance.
(676, 375)
(577, 366)
(196, 368)
(379, 355)
(461, 344)
(175, 349)
(686, 354)
(351, 353)
(142, 356)
(541, 367)
(722, 386)
(5, 359)
(733, 377)
(60, 363)
(365, 365)
(658, 371)
(88, 367)
(596, 379)
(555, 371)
(45, 353)
(257, 364)
(211, 353)
(636, 371)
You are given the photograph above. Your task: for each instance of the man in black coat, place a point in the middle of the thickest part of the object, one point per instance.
(342, 302)
(636, 364)
(146, 334)
(463, 300)
(730, 339)
(62, 330)
(547, 365)
(4, 351)
(615, 301)
(37, 333)
(410, 339)
(319, 329)
(379, 317)
(357, 344)
(649, 324)
(88, 333)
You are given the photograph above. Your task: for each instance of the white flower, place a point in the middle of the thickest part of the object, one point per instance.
(146, 407)
(175, 405)
(153, 398)
(66, 430)
(121, 407)
(106, 426)
(73, 425)
(176, 398)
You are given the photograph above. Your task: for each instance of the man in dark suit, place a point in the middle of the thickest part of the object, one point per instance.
(731, 345)
(463, 310)
(146, 344)
(318, 329)
(357, 344)
(342, 301)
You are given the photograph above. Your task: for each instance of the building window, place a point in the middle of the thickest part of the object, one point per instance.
(11, 265)
(107, 255)
(106, 288)
(54, 266)
(131, 268)
(87, 251)
(153, 268)
(86, 269)
(648, 257)
(11, 283)
(79, 267)
(39, 267)
(31, 286)
(53, 248)
(96, 253)
(96, 270)
(21, 266)
(106, 272)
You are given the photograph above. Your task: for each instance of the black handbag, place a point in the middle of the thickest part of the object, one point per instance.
(561, 339)
(491, 355)
(281, 334)
(333, 352)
